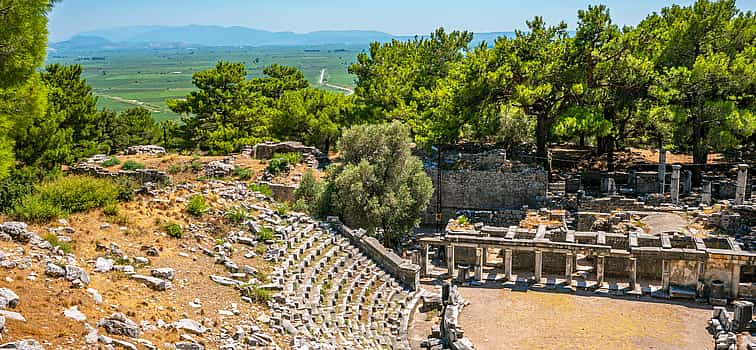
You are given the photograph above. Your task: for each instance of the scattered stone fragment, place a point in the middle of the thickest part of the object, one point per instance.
(54, 270)
(188, 346)
(103, 265)
(16, 230)
(74, 314)
(190, 326)
(164, 272)
(27, 344)
(8, 299)
(12, 316)
(154, 283)
(119, 324)
(76, 273)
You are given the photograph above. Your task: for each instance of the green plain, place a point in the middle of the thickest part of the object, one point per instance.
(124, 79)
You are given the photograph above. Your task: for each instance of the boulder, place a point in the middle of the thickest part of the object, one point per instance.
(76, 273)
(8, 299)
(118, 324)
(54, 270)
(154, 283)
(26, 344)
(74, 314)
(103, 265)
(183, 345)
(190, 326)
(17, 231)
(164, 272)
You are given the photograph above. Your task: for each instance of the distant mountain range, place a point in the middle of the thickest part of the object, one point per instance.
(200, 35)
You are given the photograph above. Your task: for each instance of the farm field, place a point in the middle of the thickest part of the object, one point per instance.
(123, 79)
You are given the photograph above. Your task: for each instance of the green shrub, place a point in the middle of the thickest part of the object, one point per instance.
(33, 210)
(20, 183)
(282, 209)
(262, 188)
(309, 193)
(66, 195)
(265, 234)
(53, 239)
(277, 165)
(174, 169)
(197, 205)
(110, 209)
(196, 166)
(127, 188)
(292, 158)
(237, 214)
(260, 249)
(258, 295)
(243, 174)
(132, 165)
(112, 161)
(173, 229)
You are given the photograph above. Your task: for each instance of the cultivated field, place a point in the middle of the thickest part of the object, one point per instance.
(127, 78)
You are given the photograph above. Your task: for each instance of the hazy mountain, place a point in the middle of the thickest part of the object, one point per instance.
(200, 35)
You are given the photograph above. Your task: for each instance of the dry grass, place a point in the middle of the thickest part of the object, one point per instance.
(43, 300)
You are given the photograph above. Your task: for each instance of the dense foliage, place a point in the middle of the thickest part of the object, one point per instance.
(66, 195)
(380, 186)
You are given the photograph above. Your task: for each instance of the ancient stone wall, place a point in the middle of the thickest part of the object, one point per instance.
(281, 193)
(401, 269)
(506, 188)
(266, 150)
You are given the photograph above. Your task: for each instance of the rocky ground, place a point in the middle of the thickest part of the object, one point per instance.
(121, 281)
(115, 278)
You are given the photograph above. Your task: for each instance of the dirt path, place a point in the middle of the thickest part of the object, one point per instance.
(504, 319)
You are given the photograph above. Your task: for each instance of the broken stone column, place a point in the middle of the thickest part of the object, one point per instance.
(508, 264)
(450, 260)
(608, 185)
(665, 276)
(425, 259)
(700, 284)
(662, 168)
(674, 186)
(734, 288)
(600, 270)
(479, 264)
(568, 268)
(742, 315)
(706, 196)
(740, 190)
(538, 265)
(633, 273)
(687, 182)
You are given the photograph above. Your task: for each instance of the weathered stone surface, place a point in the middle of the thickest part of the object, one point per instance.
(27, 344)
(103, 265)
(145, 149)
(164, 272)
(12, 315)
(190, 326)
(17, 230)
(154, 283)
(119, 324)
(76, 273)
(74, 314)
(188, 346)
(8, 299)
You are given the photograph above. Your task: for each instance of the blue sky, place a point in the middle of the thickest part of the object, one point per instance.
(392, 16)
